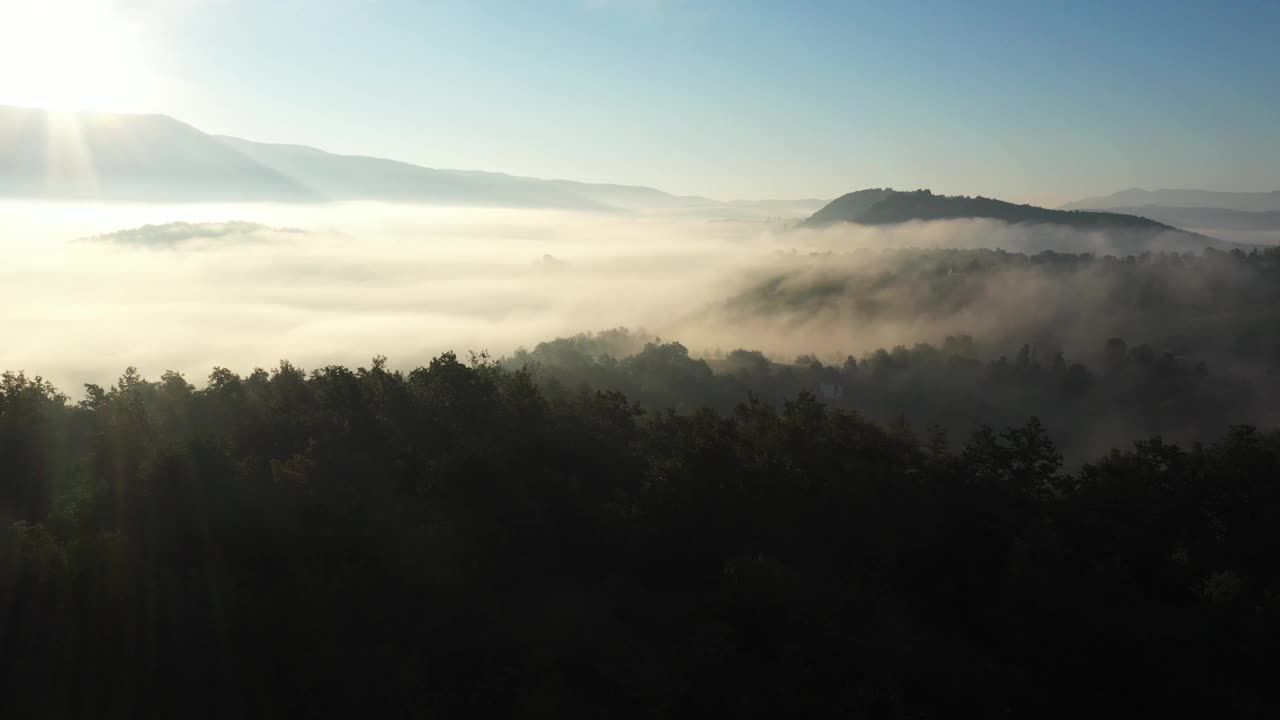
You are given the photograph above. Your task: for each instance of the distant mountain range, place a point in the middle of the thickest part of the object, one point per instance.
(1137, 197)
(155, 158)
(1244, 217)
(884, 206)
(1206, 218)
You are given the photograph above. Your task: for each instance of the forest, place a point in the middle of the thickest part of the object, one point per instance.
(1121, 395)
(1104, 350)
(1210, 305)
(588, 530)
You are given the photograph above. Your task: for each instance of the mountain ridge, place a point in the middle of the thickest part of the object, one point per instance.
(117, 157)
(158, 158)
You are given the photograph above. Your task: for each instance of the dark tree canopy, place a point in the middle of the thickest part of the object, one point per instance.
(469, 539)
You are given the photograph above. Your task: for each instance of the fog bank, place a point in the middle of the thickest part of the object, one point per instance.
(89, 289)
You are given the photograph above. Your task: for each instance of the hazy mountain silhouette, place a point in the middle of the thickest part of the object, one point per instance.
(353, 177)
(632, 196)
(1137, 197)
(128, 157)
(1206, 218)
(884, 206)
(155, 158)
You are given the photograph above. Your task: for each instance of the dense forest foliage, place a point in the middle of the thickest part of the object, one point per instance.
(1123, 394)
(1214, 305)
(468, 539)
(1104, 350)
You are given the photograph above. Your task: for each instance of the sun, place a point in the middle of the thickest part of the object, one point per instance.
(70, 55)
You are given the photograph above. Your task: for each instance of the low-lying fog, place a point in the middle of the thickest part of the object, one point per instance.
(86, 290)
(335, 284)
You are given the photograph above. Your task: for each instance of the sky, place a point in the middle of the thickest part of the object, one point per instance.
(1032, 102)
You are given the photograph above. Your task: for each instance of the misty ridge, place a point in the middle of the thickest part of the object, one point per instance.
(1181, 303)
(1105, 351)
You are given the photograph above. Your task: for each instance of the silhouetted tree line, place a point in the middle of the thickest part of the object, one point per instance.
(456, 541)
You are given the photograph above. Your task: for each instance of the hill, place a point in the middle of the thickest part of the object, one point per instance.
(850, 207)
(884, 206)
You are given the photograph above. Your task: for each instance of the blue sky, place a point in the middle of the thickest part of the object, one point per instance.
(1041, 102)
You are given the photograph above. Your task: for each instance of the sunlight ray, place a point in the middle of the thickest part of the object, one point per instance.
(69, 168)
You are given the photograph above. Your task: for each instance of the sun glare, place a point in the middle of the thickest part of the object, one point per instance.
(70, 55)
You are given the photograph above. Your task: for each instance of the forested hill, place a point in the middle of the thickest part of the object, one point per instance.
(883, 206)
